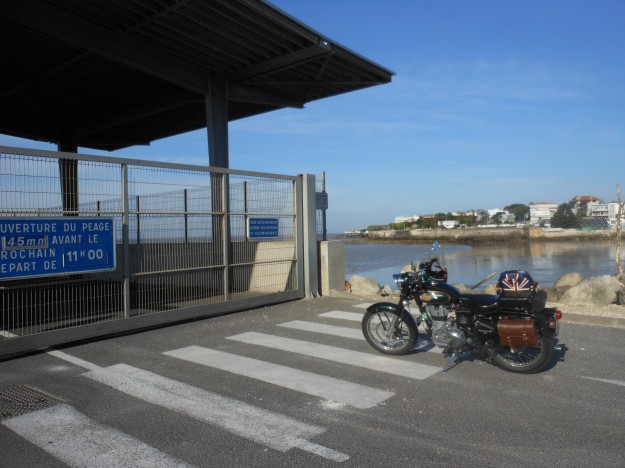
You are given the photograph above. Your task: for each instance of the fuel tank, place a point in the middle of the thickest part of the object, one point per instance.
(438, 293)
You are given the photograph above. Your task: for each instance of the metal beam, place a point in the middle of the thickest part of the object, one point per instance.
(132, 115)
(217, 121)
(57, 23)
(243, 93)
(285, 61)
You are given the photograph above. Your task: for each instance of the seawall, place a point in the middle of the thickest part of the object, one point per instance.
(477, 235)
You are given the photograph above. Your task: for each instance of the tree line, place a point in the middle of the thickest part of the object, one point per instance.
(564, 217)
(518, 210)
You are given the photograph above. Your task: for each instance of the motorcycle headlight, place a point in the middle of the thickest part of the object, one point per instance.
(401, 278)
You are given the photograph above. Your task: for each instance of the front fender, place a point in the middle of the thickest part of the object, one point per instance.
(392, 308)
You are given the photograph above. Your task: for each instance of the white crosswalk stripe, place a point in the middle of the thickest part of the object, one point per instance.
(423, 343)
(77, 440)
(334, 390)
(375, 362)
(343, 332)
(271, 429)
(339, 314)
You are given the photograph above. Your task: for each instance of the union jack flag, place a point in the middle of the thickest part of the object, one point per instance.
(516, 281)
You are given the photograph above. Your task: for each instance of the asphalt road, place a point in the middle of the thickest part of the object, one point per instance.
(248, 390)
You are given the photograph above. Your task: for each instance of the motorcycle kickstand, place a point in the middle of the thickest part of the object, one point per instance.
(452, 356)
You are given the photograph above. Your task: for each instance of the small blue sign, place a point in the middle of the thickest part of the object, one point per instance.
(31, 247)
(262, 228)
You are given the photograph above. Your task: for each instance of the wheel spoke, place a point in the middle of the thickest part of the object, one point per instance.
(522, 359)
(378, 330)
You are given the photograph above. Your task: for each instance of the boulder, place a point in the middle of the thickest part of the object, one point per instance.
(569, 280)
(386, 290)
(463, 289)
(555, 294)
(600, 290)
(363, 286)
(491, 289)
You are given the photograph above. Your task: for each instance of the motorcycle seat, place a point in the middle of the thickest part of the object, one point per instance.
(488, 304)
(481, 303)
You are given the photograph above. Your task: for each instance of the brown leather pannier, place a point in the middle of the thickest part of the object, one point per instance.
(517, 332)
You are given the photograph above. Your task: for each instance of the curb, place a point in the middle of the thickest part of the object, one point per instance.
(593, 320)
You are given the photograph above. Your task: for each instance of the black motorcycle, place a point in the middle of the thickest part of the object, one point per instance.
(512, 329)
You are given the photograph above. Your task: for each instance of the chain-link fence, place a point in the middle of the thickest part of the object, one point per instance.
(184, 237)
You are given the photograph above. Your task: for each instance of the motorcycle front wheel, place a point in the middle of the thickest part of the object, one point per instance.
(375, 326)
(523, 360)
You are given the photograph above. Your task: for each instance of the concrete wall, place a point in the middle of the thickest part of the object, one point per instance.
(265, 266)
(487, 235)
(332, 266)
(452, 235)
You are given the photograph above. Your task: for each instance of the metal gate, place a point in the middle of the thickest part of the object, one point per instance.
(189, 241)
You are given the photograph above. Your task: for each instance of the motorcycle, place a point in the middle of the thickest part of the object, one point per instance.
(512, 329)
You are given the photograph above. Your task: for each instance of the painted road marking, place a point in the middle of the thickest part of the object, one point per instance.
(345, 356)
(343, 332)
(363, 306)
(424, 344)
(334, 390)
(615, 382)
(274, 430)
(339, 314)
(77, 440)
(73, 360)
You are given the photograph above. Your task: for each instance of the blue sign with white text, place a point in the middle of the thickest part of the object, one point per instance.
(262, 228)
(32, 247)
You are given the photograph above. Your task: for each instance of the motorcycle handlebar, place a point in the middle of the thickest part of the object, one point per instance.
(428, 263)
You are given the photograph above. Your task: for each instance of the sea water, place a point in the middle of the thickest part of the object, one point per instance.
(545, 261)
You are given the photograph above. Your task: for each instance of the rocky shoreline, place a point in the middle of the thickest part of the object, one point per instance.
(481, 235)
(601, 296)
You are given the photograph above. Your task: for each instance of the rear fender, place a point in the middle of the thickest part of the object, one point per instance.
(542, 321)
(392, 308)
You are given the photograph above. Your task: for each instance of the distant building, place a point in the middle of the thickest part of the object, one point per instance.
(541, 212)
(504, 215)
(449, 224)
(407, 219)
(597, 210)
(479, 214)
(507, 217)
(582, 203)
(613, 213)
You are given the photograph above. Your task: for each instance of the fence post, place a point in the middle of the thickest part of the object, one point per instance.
(324, 209)
(186, 217)
(126, 239)
(309, 214)
(138, 208)
(227, 245)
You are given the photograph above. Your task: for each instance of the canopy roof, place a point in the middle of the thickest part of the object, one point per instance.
(108, 74)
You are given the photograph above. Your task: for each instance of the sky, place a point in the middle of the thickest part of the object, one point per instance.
(492, 103)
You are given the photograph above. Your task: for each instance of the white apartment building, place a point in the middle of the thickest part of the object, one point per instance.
(449, 224)
(612, 214)
(541, 212)
(407, 219)
(598, 209)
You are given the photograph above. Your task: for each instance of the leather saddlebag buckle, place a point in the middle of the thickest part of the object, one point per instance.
(517, 332)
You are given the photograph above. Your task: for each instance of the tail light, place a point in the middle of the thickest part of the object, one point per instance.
(558, 314)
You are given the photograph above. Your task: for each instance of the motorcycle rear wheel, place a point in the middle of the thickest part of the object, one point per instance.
(524, 360)
(375, 325)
